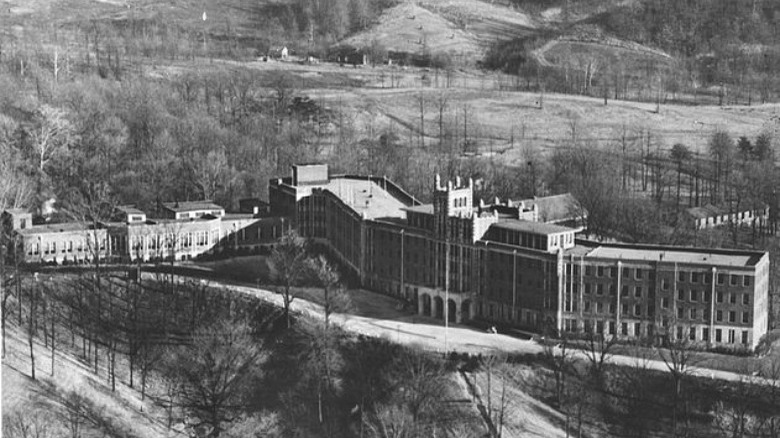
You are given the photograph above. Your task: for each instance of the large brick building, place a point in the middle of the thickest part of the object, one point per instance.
(508, 263)
(515, 263)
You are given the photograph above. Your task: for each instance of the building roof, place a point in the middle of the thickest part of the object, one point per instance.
(65, 227)
(670, 254)
(129, 209)
(182, 206)
(422, 209)
(16, 211)
(556, 208)
(531, 227)
(365, 197)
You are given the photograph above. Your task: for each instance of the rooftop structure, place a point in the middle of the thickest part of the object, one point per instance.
(676, 255)
(191, 209)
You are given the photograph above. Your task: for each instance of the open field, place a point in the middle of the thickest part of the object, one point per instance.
(386, 97)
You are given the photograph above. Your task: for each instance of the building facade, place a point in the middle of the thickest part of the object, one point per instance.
(507, 263)
(514, 263)
(184, 231)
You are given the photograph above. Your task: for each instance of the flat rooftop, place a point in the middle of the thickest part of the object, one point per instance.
(531, 227)
(191, 206)
(366, 198)
(677, 255)
(56, 228)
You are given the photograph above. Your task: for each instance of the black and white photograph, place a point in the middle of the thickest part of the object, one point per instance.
(390, 218)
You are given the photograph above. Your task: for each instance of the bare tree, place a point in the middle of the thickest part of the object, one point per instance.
(679, 359)
(598, 350)
(288, 259)
(213, 371)
(50, 133)
(35, 424)
(335, 298)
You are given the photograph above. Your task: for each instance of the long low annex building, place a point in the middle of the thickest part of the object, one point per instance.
(510, 263)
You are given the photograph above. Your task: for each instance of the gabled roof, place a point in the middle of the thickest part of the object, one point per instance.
(556, 208)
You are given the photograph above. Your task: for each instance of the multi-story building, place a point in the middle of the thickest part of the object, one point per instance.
(511, 262)
(502, 262)
(186, 230)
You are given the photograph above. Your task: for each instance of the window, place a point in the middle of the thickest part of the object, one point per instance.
(744, 337)
(721, 278)
(600, 271)
(638, 291)
(719, 315)
(638, 310)
(705, 334)
(746, 281)
(624, 291)
(612, 290)
(612, 327)
(612, 308)
(624, 328)
(733, 298)
(681, 276)
(638, 274)
(718, 335)
(734, 280)
(637, 329)
(680, 295)
(706, 314)
(746, 299)
(693, 314)
(680, 312)
(732, 316)
(692, 295)
(624, 309)
(745, 317)
(694, 277)
(679, 332)
(588, 270)
(692, 334)
(599, 307)
(587, 288)
(626, 272)
(665, 284)
(664, 303)
(731, 336)
(587, 306)
(720, 297)
(600, 327)
(612, 272)
(706, 297)
(600, 289)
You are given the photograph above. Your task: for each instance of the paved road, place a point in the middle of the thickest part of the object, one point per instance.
(379, 316)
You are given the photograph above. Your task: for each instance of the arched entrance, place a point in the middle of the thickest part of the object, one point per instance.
(465, 311)
(425, 308)
(452, 311)
(438, 306)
